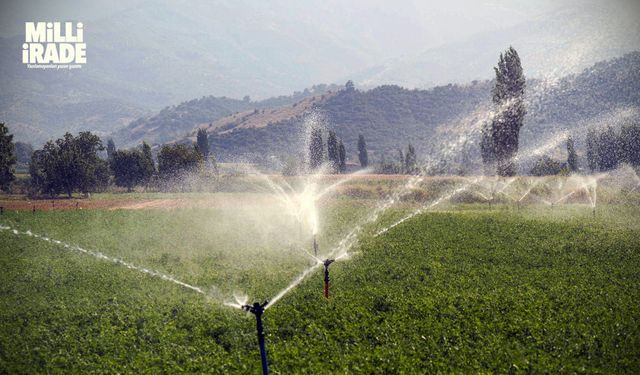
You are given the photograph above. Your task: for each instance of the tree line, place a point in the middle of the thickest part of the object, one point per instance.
(335, 156)
(608, 148)
(74, 164)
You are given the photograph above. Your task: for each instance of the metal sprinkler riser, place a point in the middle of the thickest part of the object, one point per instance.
(326, 264)
(257, 309)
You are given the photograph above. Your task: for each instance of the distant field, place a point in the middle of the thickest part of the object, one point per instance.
(475, 287)
(621, 188)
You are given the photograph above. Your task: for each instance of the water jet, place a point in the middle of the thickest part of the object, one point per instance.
(315, 246)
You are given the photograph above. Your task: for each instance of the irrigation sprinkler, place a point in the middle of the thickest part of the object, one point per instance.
(34, 209)
(257, 309)
(326, 264)
(1, 210)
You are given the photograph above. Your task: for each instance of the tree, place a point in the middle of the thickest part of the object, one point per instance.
(332, 151)
(315, 149)
(572, 158)
(501, 135)
(148, 166)
(545, 166)
(7, 158)
(111, 148)
(630, 140)
(202, 141)
(342, 155)
(128, 168)
(608, 149)
(175, 160)
(410, 160)
(70, 164)
(384, 167)
(362, 151)
(93, 171)
(349, 86)
(401, 169)
(592, 151)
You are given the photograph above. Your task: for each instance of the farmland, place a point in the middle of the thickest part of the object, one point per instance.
(464, 287)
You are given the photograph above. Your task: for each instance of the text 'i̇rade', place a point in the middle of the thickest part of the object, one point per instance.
(54, 43)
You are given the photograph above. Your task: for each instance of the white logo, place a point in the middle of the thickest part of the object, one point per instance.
(58, 45)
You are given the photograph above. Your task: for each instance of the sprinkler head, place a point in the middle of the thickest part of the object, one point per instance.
(257, 308)
(328, 262)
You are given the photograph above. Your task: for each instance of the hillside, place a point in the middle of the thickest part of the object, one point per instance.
(391, 116)
(145, 55)
(178, 121)
(388, 115)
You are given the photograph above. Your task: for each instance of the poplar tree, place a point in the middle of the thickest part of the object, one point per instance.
(500, 137)
(401, 170)
(111, 148)
(410, 160)
(148, 165)
(362, 152)
(342, 155)
(202, 140)
(592, 150)
(315, 149)
(572, 158)
(332, 151)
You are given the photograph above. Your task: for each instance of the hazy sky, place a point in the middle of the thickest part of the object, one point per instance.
(402, 25)
(440, 21)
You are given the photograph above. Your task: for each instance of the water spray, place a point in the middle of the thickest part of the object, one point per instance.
(257, 309)
(315, 246)
(326, 264)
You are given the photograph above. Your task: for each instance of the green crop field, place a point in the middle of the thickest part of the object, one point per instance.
(471, 288)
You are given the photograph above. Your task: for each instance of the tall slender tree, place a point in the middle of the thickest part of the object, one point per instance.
(572, 157)
(332, 151)
(501, 135)
(202, 140)
(362, 152)
(148, 165)
(401, 168)
(410, 160)
(342, 156)
(316, 154)
(111, 148)
(592, 150)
